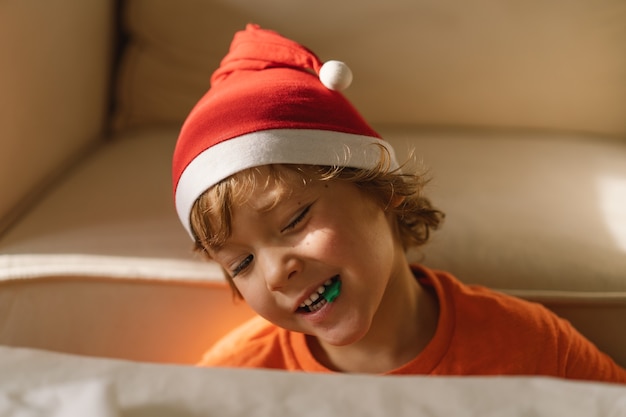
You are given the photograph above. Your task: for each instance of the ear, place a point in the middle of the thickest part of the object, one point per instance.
(395, 201)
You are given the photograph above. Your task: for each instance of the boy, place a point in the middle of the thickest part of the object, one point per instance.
(281, 181)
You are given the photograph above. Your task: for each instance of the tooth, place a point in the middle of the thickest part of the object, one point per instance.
(328, 282)
(318, 306)
(321, 290)
(308, 302)
(314, 296)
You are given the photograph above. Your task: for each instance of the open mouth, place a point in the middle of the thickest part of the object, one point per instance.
(324, 294)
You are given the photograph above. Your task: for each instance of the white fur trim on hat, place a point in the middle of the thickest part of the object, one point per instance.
(279, 146)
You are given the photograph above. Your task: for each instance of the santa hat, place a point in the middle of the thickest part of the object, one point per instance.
(271, 101)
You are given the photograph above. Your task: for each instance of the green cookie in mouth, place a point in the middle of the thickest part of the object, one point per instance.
(332, 291)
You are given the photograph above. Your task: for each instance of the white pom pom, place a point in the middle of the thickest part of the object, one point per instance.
(335, 75)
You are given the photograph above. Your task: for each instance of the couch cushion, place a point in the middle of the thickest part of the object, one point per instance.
(112, 216)
(553, 66)
(54, 83)
(531, 211)
(137, 319)
(526, 211)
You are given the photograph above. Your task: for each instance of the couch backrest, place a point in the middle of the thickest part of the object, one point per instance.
(551, 65)
(54, 86)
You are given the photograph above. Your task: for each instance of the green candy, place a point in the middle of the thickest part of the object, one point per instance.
(332, 291)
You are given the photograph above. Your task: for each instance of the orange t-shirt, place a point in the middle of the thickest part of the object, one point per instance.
(480, 332)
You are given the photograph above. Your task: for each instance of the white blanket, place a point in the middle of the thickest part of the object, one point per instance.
(36, 383)
(83, 398)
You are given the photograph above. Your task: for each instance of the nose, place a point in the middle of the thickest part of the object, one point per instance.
(279, 266)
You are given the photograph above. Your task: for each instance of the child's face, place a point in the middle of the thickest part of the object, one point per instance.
(289, 240)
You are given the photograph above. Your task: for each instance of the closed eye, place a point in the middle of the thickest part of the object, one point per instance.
(298, 219)
(242, 266)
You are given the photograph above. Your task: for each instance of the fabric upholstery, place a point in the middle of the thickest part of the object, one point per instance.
(55, 92)
(553, 66)
(516, 108)
(120, 223)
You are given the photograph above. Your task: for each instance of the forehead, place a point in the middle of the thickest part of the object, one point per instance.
(263, 187)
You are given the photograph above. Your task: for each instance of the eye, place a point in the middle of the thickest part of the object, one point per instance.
(298, 219)
(242, 266)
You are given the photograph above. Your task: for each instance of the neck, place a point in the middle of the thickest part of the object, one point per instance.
(403, 325)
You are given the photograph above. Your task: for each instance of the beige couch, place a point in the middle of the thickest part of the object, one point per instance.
(517, 107)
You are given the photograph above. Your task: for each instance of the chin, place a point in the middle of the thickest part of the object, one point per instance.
(342, 337)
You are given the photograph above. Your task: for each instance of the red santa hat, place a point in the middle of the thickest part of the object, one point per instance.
(271, 101)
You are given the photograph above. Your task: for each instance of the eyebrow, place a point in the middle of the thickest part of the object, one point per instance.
(277, 196)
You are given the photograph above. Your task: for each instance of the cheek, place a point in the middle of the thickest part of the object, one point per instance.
(358, 233)
(255, 294)
(326, 243)
(263, 304)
